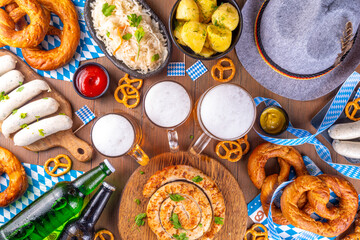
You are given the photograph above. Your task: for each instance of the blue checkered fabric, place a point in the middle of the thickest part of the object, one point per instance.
(85, 114)
(357, 95)
(176, 69)
(39, 183)
(196, 70)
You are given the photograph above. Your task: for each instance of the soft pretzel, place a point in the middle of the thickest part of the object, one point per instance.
(31, 35)
(319, 187)
(10, 165)
(69, 36)
(356, 234)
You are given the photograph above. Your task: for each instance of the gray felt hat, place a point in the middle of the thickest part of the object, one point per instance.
(301, 38)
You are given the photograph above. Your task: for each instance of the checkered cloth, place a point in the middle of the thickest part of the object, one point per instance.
(196, 70)
(176, 69)
(39, 183)
(85, 114)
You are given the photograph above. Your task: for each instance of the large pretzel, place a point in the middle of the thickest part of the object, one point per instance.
(58, 164)
(356, 234)
(126, 91)
(132, 82)
(257, 232)
(352, 108)
(218, 66)
(101, 234)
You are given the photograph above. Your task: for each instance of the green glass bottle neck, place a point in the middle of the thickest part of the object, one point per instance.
(88, 182)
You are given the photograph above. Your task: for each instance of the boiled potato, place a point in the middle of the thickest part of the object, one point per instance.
(177, 33)
(226, 15)
(207, 52)
(219, 38)
(207, 8)
(194, 35)
(188, 10)
(207, 43)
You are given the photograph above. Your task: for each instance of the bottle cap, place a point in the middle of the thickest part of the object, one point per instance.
(108, 164)
(108, 186)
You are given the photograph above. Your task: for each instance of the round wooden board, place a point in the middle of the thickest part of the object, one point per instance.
(236, 209)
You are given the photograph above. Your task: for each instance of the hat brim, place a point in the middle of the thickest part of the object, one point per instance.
(279, 83)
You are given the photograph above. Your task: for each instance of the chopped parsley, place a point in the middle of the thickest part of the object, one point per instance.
(20, 89)
(176, 197)
(191, 136)
(23, 115)
(41, 132)
(37, 118)
(138, 202)
(174, 219)
(197, 179)
(155, 58)
(14, 111)
(3, 96)
(108, 34)
(219, 220)
(200, 225)
(142, 173)
(182, 236)
(62, 114)
(139, 219)
(24, 125)
(45, 98)
(107, 9)
(20, 83)
(134, 20)
(127, 36)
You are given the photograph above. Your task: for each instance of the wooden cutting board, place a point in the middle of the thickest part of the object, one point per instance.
(236, 209)
(80, 149)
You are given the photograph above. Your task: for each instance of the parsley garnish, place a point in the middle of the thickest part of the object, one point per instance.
(62, 114)
(37, 118)
(3, 96)
(108, 34)
(23, 115)
(45, 98)
(191, 136)
(138, 202)
(219, 220)
(174, 219)
(139, 34)
(127, 36)
(14, 111)
(197, 179)
(155, 58)
(24, 125)
(139, 219)
(200, 225)
(20, 83)
(134, 20)
(176, 197)
(182, 236)
(107, 9)
(20, 89)
(141, 172)
(41, 132)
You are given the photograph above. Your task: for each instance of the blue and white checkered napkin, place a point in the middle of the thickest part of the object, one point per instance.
(196, 70)
(39, 183)
(303, 136)
(287, 232)
(85, 114)
(176, 69)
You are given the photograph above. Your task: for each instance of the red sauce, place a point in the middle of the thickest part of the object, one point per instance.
(91, 81)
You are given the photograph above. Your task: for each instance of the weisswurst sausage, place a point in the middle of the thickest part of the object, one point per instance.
(11, 80)
(345, 131)
(7, 63)
(347, 148)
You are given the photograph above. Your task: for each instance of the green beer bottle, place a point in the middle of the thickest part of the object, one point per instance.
(55, 207)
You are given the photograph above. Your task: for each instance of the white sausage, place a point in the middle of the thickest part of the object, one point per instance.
(11, 80)
(7, 63)
(347, 148)
(42, 129)
(345, 131)
(28, 114)
(21, 95)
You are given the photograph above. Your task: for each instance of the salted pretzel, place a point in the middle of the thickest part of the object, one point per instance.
(132, 82)
(232, 151)
(317, 189)
(352, 108)
(58, 164)
(100, 234)
(287, 157)
(124, 89)
(32, 34)
(218, 66)
(257, 232)
(356, 234)
(69, 36)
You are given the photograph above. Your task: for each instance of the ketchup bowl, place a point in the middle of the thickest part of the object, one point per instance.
(91, 80)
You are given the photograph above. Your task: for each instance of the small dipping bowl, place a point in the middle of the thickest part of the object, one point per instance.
(275, 116)
(91, 80)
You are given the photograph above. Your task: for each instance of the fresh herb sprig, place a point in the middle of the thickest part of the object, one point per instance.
(107, 9)
(139, 219)
(219, 220)
(176, 197)
(197, 179)
(174, 219)
(182, 236)
(139, 34)
(134, 20)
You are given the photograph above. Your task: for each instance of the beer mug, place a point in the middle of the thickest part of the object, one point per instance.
(167, 104)
(115, 135)
(225, 112)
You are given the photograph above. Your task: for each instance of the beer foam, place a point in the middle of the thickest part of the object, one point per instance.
(227, 111)
(167, 104)
(113, 135)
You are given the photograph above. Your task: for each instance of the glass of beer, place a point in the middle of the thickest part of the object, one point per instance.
(225, 112)
(115, 134)
(167, 104)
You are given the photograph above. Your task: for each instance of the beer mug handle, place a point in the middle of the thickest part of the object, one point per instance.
(173, 140)
(200, 144)
(139, 155)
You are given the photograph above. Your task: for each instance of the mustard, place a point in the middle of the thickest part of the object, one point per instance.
(273, 120)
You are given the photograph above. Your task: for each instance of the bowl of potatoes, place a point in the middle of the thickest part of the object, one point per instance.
(205, 29)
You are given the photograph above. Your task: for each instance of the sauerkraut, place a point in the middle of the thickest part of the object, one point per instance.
(111, 29)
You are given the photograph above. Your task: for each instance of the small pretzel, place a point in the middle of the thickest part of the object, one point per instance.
(262, 233)
(242, 141)
(355, 107)
(126, 91)
(132, 82)
(58, 164)
(233, 149)
(100, 234)
(218, 66)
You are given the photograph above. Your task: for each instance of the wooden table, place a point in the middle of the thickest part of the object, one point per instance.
(155, 139)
